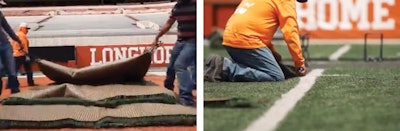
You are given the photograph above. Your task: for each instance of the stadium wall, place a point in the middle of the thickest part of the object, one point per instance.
(325, 19)
(86, 51)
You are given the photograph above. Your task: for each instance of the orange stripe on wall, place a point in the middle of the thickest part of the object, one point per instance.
(208, 19)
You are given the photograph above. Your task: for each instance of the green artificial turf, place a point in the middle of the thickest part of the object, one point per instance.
(261, 94)
(350, 96)
(390, 52)
(316, 52)
(367, 99)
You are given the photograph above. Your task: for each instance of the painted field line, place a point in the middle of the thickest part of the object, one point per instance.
(335, 56)
(270, 120)
(153, 73)
(157, 73)
(338, 75)
(34, 76)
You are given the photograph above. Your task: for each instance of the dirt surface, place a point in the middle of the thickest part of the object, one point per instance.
(42, 81)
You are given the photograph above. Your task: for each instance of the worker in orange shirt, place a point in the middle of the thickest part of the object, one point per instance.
(247, 39)
(21, 57)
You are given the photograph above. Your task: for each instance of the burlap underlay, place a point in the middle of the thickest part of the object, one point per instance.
(104, 96)
(59, 116)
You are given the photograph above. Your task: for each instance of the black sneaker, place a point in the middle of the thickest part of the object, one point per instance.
(213, 71)
(186, 103)
(168, 85)
(33, 84)
(14, 91)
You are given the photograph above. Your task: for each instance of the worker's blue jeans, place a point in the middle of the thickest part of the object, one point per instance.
(7, 64)
(186, 57)
(251, 65)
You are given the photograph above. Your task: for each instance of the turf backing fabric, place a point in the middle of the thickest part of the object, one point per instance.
(76, 116)
(227, 102)
(109, 96)
(117, 72)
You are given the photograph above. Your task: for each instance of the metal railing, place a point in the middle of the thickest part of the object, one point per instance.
(366, 58)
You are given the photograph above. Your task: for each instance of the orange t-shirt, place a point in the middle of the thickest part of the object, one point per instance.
(254, 23)
(16, 46)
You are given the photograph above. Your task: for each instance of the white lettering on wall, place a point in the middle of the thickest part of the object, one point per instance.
(309, 14)
(380, 13)
(133, 51)
(323, 21)
(352, 12)
(107, 53)
(341, 15)
(168, 53)
(93, 57)
(120, 53)
(160, 56)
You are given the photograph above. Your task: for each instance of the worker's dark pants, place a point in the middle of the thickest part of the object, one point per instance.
(21, 60)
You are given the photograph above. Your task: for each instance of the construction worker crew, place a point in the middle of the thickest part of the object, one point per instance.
(7, 62)
(247, 39)
(21, 57)
(184, 51)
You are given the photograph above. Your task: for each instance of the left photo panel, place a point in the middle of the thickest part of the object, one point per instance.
(88, 65)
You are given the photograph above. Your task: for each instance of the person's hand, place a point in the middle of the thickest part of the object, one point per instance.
(27, 58)
(301, 71)
(155, 42)
(21, 49)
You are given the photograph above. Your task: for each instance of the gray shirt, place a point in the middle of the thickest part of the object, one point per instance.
(5, 28)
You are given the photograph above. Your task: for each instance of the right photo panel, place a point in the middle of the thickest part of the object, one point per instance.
(301, 65)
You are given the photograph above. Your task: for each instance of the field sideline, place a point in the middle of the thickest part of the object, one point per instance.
(349, 94)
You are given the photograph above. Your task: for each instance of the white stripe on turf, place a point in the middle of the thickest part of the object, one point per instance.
(159, 73)
(153, 73)
(270, 120)
(339, 75)
(335, 56)
(34, 76)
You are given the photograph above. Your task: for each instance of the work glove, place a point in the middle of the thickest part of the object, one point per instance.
(21, 49)
(301, 71)
(27, 58)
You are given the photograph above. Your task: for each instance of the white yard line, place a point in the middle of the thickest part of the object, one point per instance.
(335, 56)
(270, 120)
(34, 76)
(339, 75)
(157, 73)
(153, 73)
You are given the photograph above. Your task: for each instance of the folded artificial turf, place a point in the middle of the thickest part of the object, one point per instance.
(117, 72)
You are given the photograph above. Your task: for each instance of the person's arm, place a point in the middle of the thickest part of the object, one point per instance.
(164, 29)
(8, 29)
(286, 11)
